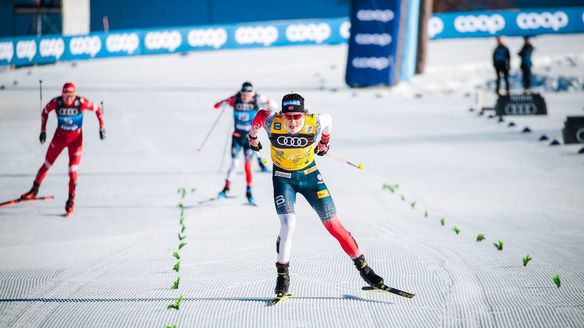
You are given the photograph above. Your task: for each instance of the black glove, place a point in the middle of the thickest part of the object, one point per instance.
(101, 133)
(322, 148)
(251, 139)
(43, 137)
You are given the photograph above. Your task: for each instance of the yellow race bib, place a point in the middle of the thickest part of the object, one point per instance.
(292, 152)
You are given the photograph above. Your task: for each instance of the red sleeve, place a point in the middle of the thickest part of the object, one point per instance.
(86, 104)
(230, 101)
(51, 106)
(259, 121)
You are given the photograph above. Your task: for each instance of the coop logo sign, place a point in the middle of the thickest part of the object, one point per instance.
(6, 51)
(520, 109)
(308, 32)
(265, 35)
(169, 40)
(212, 37)
(52, 48)
(26, 49)
(532, 21)
(373, 39)
(378, 63)
(375, 15)
(86, 45)
(480, 23)
(345, 30)
(125, 42)
(435, 26)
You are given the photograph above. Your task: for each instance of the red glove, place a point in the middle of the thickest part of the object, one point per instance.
(218, 105)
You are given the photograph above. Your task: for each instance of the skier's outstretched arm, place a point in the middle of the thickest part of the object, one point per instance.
(86, 104)
(229, 101)
(258, 122)
(51, 106)
(325, 123)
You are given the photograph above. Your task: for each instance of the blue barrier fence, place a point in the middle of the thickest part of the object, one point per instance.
(49, 49)
(24, 51)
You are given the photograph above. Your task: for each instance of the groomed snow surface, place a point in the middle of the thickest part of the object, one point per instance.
(110, 264)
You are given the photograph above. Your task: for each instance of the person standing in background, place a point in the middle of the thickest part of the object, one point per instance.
(502, 63)
(525, 55)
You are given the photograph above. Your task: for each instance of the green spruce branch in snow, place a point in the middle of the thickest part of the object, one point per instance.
(176, 304)
(175, 283)
(456, 230)
(182, 244)
(480, 237)
(499, 245)
(526, 259)
(556, 280)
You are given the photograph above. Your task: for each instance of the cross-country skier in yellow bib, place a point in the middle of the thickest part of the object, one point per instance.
(293, 133)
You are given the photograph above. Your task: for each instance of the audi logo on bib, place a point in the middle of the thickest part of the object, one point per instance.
(520, 109)
(292, 141)
(68, 111)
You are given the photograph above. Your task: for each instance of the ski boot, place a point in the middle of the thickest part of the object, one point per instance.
(223, 193)
(367, 273)
(31, 193)
(249, 196)
(70, 205)
(283, 280)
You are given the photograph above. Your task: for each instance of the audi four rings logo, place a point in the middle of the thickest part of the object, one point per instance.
(435, 26)
(378, 63)
(292, 141)
(530, 21)
(345, 30)
(26, 49)
(126, 42)
(52, 47)
(265, 35)
(308, 32)
(580, 135)
(6, 51)
(520, 109)
(375, 15)
(212, 37)
(86, 45)
(480, 23)
(373, 39)
(169, 40)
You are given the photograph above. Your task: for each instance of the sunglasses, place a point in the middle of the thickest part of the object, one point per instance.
(293, 116)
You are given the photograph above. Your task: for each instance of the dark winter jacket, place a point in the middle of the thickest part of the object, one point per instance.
(501, 58)
(525, 55)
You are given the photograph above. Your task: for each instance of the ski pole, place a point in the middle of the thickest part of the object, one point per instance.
(101, 104)
(333, 156)
(212, 127)
(41, 93)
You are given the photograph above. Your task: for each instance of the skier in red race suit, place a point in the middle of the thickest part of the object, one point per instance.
(69, 109)
(245, 104)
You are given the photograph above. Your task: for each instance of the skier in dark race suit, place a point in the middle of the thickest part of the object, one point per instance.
(69, 109)
(293, 133)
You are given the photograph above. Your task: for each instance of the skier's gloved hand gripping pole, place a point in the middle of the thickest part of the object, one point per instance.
(222, 104)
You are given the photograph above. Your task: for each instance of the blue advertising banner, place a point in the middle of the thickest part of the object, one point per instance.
(26, 51)
(508, 22)
(373, 43)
